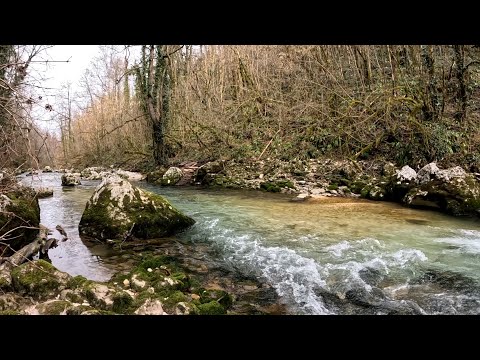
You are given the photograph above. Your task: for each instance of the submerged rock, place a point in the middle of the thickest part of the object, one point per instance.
(118, 208)
(71, 179)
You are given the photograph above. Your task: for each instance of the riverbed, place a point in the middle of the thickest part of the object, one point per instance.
(328, 256)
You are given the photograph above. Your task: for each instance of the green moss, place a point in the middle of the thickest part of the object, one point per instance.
(169, 302)
(74, 298)
(4, 283)
(122, 303)
(76, 282)
(211, 308)
(276, 186)
(332, 186)
(35, 278)
(269, 187)
(55, 307)
(78, 310)
(365, 191)
(10, 312)
(220, 296)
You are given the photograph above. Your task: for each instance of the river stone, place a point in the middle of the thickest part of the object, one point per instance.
(47, 169)
(71, 179)
(172, 176)
(150, 307)
(452, 173)
(117, 208)
(406, 173)
(427, 173)
(213, 167)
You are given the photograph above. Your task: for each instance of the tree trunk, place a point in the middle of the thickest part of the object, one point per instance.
(462, 88)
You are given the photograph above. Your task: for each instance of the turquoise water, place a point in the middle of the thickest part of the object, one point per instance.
(308, 252)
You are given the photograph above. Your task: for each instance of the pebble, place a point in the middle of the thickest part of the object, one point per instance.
(149, 270)
(126, 282)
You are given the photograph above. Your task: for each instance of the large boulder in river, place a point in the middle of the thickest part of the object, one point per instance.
(451, 190)
(71, 179)
(117, 208)
(19, 217)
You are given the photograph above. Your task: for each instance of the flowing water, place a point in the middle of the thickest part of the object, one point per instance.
(329, 256)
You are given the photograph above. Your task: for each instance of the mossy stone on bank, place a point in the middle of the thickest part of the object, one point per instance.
(38, 278)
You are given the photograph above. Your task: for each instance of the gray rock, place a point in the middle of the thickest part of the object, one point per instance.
(427, 173)
(318, 191)
(172, 176)
(451, 173)
(71, 179)
(406, 174)
(150, 307)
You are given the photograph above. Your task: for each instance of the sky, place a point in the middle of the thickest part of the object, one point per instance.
(54, 74)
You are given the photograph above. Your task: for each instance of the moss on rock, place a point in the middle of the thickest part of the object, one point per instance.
(211, 308)
(117, 207)
(38, 278)
(55, 307)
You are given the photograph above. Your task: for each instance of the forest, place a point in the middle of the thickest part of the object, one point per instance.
(172, 103)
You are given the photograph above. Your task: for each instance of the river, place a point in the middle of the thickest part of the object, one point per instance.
(321, 257)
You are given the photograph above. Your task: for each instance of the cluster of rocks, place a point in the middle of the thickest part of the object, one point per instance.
(452, 190)
(157, 286)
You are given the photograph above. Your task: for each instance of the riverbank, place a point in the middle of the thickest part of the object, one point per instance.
(453, 190)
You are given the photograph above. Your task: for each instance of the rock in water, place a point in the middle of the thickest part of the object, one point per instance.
(71, 179)
(172, 176)
(118, 208)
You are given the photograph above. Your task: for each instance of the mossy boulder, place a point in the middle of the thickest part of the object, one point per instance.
(19, 208)
(399, 184)
(71, 179)
(171, 176)
(155, 176)
(38, 279)
(212, 167)
(452, 191)
(117, 208)
(54, 307)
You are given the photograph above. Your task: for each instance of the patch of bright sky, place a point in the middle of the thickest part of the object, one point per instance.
(55, 74)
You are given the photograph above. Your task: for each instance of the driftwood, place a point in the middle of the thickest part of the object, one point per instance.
(62, 232)
(29, 250)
